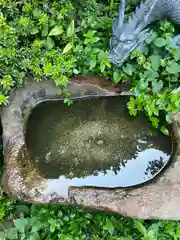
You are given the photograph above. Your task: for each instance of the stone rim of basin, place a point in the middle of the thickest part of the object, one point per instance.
(16, 180)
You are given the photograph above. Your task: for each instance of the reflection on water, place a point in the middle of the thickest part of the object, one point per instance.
(94, 143)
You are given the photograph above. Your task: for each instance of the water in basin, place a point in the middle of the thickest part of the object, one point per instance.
(94, 142)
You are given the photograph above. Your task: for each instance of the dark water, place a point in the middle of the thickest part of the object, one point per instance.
(94, 143)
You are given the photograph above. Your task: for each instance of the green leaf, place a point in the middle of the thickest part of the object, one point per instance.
(70, 102)
(116, 76)
(177, 55)
(132, 106)
(164, 130)
(95, 50)
(11, 233)
(174, 97)
(173, 68)
(67, 48)
(109, 226)
(49, 43)
(155, 61)
(107, 20)
(157, 86)
(44, 30)
(66, 100)
(34, 236)
(106, 62)
(135, 53)
(147, 65)
(141, 59)
(102, 67)
(151, 235)
(169, 228)
(2, 236)
(150, 75)
(91, 40)
(70, 29)
(164, 62)
(92, 64)
(35, 224)
(101, 55)
(52, 23)
(143, 84)
(177, 234)
(20, 224)
(57, 30)
(75, 71)
(53, 222)
(3, 99)
(151, 38)
(154, 120)
(89, 34)
(34, 30)
(140, 227)
(22, 209)
(37, 12)
(128, 69)
(160, 42)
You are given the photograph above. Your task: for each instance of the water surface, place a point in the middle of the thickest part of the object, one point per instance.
(94, 143)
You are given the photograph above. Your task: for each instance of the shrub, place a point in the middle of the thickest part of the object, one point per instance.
(155, 76)
(69, 223)
(51, 39)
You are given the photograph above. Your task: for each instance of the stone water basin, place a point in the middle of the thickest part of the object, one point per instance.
(91, 153)
(94, 143)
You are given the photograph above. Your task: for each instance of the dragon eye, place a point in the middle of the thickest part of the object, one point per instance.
(129, 41)
(113, 41)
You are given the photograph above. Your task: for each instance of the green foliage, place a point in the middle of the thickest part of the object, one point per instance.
(51, 39)
(68, 223)
(155, 75)
(157, 230)
(6, 206)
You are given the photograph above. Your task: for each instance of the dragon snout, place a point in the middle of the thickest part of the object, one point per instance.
(112, 55)
(114, 58)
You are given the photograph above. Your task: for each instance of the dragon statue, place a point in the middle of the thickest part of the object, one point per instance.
(126, 36)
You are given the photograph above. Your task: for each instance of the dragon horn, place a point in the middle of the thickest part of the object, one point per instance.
(117, 24)
(121, 13)
(146, 13)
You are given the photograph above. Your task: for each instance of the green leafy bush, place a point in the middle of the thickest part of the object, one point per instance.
(51, 39)
(43, 222)
(6, 206)
(155, 74)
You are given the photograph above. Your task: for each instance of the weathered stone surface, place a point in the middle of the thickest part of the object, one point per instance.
(159, 199)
